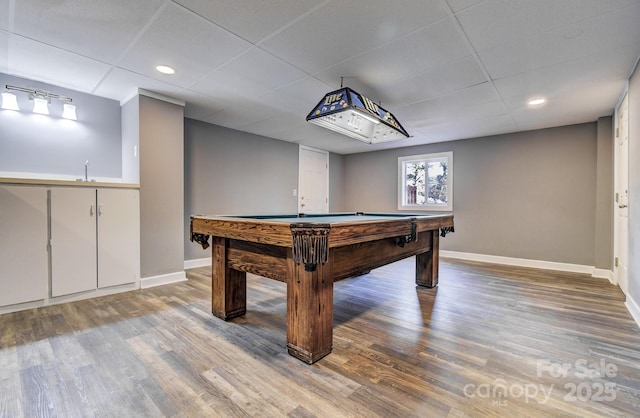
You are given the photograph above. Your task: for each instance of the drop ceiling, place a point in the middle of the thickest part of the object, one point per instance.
(448, 69)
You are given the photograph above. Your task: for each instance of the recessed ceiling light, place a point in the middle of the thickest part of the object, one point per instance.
(165, 70)
(536, 102)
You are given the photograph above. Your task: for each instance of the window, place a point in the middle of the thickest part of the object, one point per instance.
(425, 182)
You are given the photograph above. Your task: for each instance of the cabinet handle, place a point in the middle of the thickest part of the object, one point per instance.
(99, 210)
(91, 210)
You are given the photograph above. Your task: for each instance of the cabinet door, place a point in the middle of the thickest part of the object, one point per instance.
(73, 240)
(23, 244)
(118, 237)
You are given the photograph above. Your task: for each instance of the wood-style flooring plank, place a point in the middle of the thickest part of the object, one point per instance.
(489, 341)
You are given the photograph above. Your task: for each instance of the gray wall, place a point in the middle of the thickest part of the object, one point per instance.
(336, 183)
(634, 186)
(50, 145)
(233, 172)
(528, 195)
(161, 187)
(603, 241)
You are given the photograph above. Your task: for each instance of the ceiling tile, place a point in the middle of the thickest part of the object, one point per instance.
(458, 5)
(252, 74)
(438, 82)
(290, 127)
(4, 52)
(117, 85)
(352, 146)
(556, 80)
(261, 66)
(321, 138)
(472, 128)
(41, 62)
(275, 126)
(198, 48)
(611, 31)
(441, 120)
(198, 106)
(596, 99)
(521, 19)
(102, 31)
(340, 30)
(4, 15)
(315, 136)
(445, 107)
(420, 51)
(250, 19)
(299, 97)
(243, 113)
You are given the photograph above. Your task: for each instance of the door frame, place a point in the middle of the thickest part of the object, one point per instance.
(301, 149)
(623, 284)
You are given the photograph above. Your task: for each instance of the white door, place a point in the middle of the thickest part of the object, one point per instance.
(313, 181)
(73, 240)
(622, 196)
(118, 236)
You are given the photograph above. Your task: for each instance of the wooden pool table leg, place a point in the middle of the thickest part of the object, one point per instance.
(309, 310)
(427, 263)
(228, 286)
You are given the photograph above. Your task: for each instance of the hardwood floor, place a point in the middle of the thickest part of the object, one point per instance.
(551, 344)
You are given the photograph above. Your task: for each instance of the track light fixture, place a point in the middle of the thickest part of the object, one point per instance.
(41, 100)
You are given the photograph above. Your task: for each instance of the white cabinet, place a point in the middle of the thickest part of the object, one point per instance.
(74, 258)
(118, 237)
(95, 238)
(23, 244)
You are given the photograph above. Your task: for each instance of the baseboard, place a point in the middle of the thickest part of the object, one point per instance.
(23, 306)
(519, 262)
(630, 304)
(633, 309)
(199, 262)
(74, 297)
(524, 262)
(153, 281)
(603, 274)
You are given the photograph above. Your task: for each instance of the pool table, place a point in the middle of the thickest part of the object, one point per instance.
(309, 253)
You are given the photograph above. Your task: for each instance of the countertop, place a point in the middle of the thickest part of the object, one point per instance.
(69, 183)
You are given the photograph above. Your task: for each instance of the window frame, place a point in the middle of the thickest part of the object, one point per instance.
(402, 187)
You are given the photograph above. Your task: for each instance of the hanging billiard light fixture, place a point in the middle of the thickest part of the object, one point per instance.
(350, 113)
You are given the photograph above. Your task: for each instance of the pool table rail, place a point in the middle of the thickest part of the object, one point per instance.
(341, 233)
(273, 233)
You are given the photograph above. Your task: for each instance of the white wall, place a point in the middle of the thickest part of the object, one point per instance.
(634, 191)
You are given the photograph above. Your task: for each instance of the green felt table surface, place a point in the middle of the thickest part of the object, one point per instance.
(330, 218)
